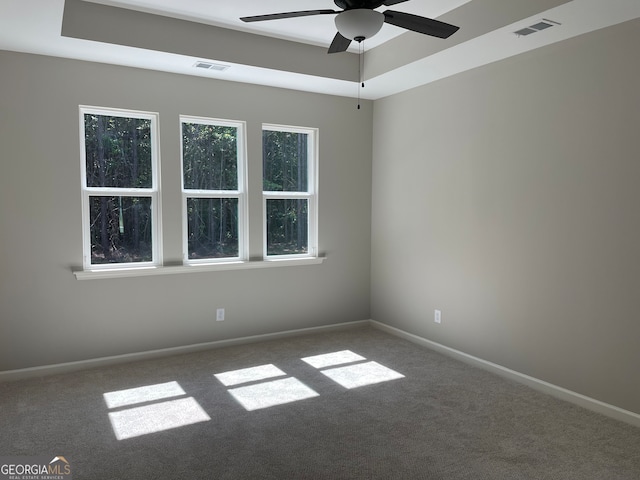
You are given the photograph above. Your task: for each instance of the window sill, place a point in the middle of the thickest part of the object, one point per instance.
(200, 268)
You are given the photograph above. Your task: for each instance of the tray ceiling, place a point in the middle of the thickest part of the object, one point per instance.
(173, 35)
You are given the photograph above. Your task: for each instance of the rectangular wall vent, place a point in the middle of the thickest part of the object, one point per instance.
(537, 27)
(211, 66)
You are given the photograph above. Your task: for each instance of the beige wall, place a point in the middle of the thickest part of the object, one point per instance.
(508, 198)
(47, 316)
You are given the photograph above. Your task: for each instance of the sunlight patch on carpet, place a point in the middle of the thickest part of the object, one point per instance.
(362, 374)
(331, 359)
(138, 421)
(252, 374)
(269, 394)
(148, 393)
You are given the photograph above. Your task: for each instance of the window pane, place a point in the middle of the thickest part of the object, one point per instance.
(120, 229)
(212, 227)
(287, 231)
(118, 151)
(284, 160)
(209, 157)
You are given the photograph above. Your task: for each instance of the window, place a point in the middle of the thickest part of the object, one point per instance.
(289, 191)
(121, 196)
(213, 190)
(120, 178)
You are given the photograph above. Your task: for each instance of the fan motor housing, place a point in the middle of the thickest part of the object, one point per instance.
(352, 4)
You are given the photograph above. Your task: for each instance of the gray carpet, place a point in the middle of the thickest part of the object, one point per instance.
(441, 420)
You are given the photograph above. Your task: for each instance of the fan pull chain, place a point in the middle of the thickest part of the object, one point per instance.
(360, 41)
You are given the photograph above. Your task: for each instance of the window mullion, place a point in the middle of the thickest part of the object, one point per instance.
(212, 193)
(120, 192)
(287, 194)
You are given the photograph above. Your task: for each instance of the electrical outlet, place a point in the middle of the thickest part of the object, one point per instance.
(220, 314)
(437, 316)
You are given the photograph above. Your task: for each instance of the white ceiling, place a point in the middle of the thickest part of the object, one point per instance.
(397, 60)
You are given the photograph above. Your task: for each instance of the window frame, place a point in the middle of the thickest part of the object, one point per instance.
(157, 266)
(152, 192)
(311, 195)
(240, 194)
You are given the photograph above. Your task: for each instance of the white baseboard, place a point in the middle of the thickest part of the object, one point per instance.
(40, 371)
(540, 385)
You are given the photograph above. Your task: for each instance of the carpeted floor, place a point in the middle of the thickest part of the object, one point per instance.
(384, 408)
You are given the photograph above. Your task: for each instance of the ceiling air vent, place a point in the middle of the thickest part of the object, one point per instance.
(543, 25)
(218, 67)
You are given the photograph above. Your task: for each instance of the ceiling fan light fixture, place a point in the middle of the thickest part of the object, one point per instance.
(359, 23)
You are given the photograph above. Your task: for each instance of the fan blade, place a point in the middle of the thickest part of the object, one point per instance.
(339, 44)
(392, 2)
(276, 16)
(428, 26)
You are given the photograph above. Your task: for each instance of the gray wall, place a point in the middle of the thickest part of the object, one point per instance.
(505, 196)
(47, 316)
(508, 197)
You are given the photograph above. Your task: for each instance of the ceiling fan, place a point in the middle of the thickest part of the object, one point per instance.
(358, 20)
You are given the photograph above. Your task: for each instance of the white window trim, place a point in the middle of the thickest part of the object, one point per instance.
(311, 195)
(200, 268)
(157, 267)
(240, 194)
(153, 192)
